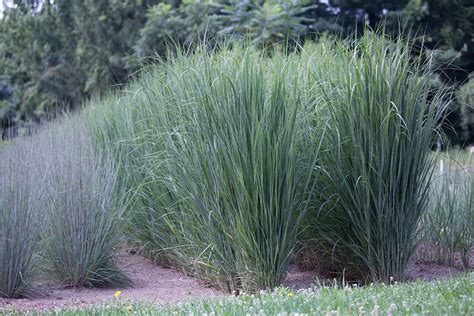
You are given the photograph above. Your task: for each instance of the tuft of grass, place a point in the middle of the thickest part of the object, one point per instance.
(383, 118)
(84, 208)
(449, 222)
(56, 189)
(209, 146)
(20, 215)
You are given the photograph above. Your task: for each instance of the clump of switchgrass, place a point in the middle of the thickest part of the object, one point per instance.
(210, 150)
(83, 208)
(236, 161)
(21, 181)
(217, 150)
(383, 116)
(449, 221)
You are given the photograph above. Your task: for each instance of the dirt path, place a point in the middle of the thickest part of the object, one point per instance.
(159, 286)
(151, 283)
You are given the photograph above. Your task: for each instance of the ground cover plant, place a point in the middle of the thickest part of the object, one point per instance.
(446, 297)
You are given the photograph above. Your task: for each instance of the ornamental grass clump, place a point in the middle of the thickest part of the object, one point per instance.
(84, 207)
(234, 157)
(210, 154)
(383, 118)
(448, 223)
(20, 212)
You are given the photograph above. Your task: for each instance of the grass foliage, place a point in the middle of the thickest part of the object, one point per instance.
(213, 158)
(383, 115)
(224, 152)
(56, 190)
(84, 209)
(21, 183)
(449, 222)
(215, 164)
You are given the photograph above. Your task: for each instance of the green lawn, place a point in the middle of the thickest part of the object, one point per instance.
(450, 297)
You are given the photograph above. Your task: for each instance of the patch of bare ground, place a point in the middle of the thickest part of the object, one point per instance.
(161, 286)
(151, 283)
(427, 271)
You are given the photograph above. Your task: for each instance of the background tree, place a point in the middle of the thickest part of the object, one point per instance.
(448, 27)
(53, 54)
(370, 11)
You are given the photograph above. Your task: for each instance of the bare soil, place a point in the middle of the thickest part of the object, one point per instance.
(151, 283)
(161, 286)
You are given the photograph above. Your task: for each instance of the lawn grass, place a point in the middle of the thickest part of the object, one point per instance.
(447, 297)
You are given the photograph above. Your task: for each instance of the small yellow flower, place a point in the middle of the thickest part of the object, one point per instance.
(128, 308)
(290, 294)
(117, 294)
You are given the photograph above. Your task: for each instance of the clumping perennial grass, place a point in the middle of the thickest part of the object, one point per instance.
(383, 118)
(84, 209)
(237, 163)
(58, 191)
(217, 156)
(20, 213)
(218, 151)
(448, 224)
(210, 153)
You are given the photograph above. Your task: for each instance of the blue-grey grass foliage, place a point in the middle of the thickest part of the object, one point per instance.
(59, 192)
(83, 206)
(220, 152)
(21, 193)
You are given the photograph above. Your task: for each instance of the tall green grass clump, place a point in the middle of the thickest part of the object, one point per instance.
(84, 207)
(212, 155)
(20, 213)
(383, 117)
(237, 163)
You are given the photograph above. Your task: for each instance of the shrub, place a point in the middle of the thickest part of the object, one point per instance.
(383, 116)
